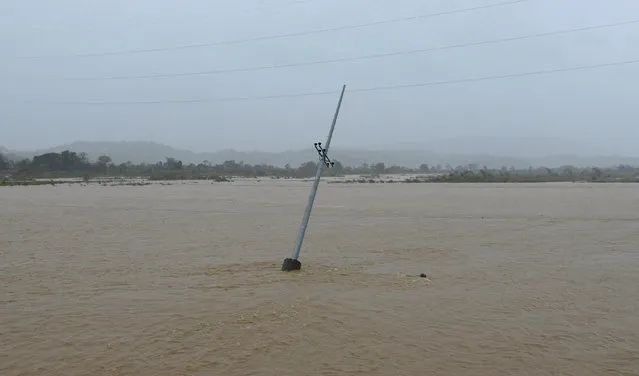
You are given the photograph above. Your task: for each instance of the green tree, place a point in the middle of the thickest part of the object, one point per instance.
(485, 174)
(306, 170)
(173, 164)
(379, 168)
(596, 174)
(338, 168)
(104, 160)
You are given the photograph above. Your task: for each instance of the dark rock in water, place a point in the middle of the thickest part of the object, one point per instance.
(423, 275)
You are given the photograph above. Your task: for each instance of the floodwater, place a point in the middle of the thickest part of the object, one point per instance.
(184, 279)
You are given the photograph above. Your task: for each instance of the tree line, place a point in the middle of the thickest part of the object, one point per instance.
(72, 164)
(619, 173)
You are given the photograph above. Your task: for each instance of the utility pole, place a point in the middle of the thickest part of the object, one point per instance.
(293, 263)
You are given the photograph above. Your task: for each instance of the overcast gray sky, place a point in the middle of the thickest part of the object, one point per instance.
(598, 105)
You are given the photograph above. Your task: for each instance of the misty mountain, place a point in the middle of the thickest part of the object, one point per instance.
(411, 156)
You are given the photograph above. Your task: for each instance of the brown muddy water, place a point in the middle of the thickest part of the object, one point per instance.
(184, 280)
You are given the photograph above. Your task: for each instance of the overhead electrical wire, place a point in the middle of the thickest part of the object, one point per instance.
(278, 36)
(320, 93)
(183, 19)
(335, 60)
(356, 58)
(245, 10)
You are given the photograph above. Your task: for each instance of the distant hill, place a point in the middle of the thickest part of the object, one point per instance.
(410, 156)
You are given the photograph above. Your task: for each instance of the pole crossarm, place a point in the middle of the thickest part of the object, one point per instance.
(323, 156)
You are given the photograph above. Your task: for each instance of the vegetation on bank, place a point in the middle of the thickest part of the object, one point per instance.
(68, 164)
(620, 173)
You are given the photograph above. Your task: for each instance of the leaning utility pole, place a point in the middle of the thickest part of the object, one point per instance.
(293, 262)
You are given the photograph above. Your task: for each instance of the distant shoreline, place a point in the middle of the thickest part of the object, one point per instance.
(71, 167)
(344, 180)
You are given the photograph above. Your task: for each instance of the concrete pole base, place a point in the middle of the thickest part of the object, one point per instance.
(291, 265)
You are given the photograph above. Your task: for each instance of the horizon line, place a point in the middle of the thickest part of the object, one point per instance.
(369, 148)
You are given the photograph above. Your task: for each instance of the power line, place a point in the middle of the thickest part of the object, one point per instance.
(371, 89)
(358, 58)
(500, 77)
(185, 19)
(281, 36)
(246, 10)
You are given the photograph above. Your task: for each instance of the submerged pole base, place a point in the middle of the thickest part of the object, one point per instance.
(290, 265)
